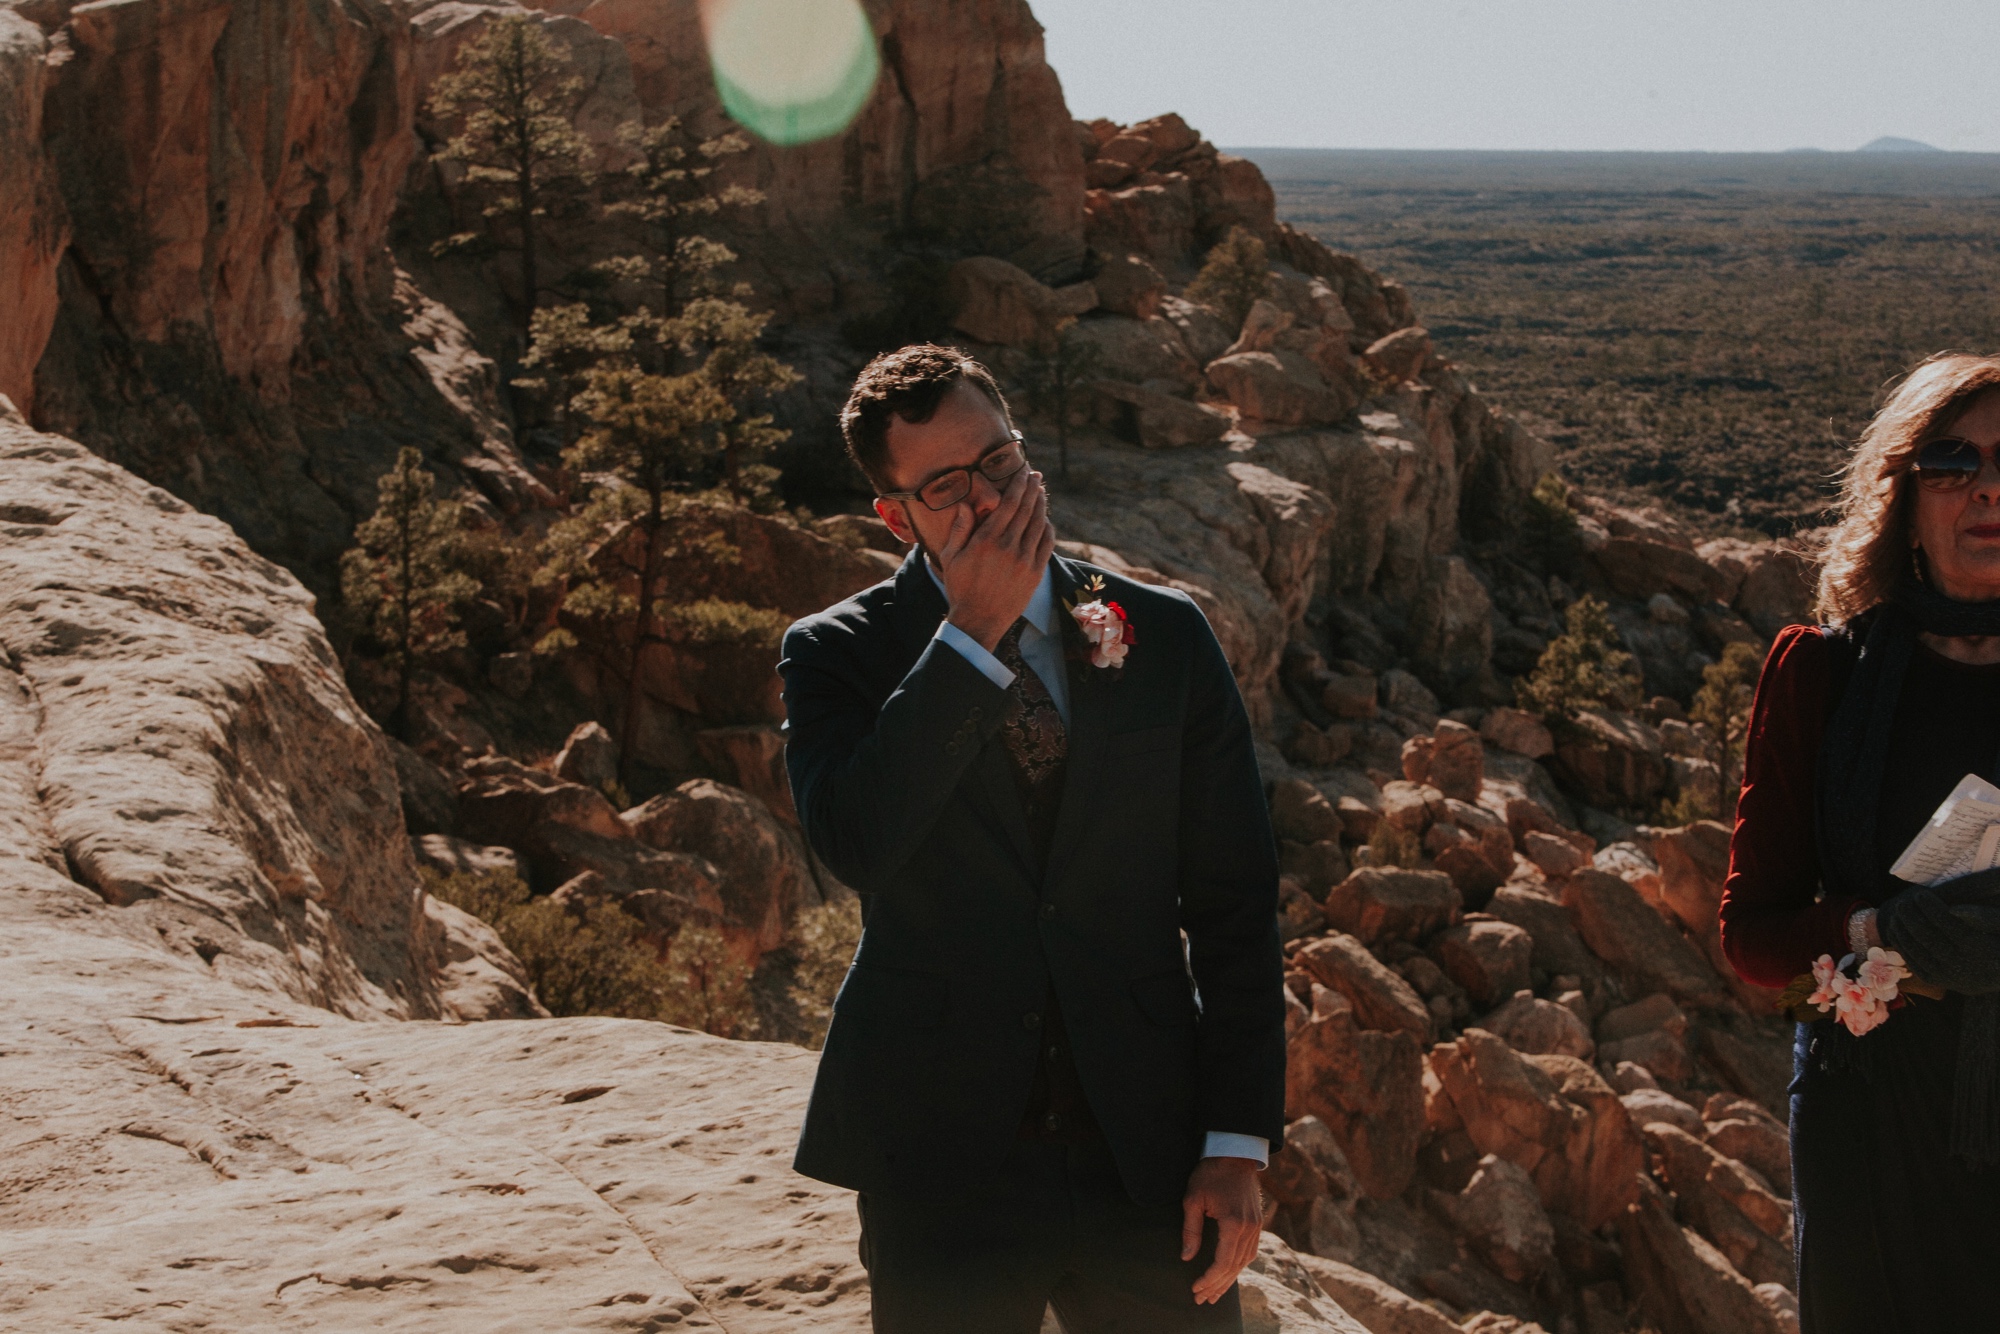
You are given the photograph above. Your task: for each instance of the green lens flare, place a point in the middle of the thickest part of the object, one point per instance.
(792, 71)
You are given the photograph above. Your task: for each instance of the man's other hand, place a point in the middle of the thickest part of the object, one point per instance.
(990, 565)
(1224, 1189)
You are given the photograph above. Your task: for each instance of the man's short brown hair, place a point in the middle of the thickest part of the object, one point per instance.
(908, 383)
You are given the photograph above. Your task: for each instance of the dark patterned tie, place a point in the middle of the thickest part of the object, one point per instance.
(1034, 728)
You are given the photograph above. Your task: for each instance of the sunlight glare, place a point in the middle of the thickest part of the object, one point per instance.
(791, 71)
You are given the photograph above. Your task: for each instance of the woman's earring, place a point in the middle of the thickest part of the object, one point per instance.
(1917, 564)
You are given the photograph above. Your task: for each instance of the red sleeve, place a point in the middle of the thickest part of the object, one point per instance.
(1772, 928)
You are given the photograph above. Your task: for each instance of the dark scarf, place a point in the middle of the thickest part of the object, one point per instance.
(1852, 757)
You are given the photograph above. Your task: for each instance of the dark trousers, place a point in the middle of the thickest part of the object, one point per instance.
(1053, 1228)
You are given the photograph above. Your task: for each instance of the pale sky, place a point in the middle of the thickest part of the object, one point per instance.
(1719, 75)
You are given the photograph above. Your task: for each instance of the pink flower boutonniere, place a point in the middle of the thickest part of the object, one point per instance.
(1105, 626)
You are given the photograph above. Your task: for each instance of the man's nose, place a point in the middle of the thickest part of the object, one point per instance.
(984, 496)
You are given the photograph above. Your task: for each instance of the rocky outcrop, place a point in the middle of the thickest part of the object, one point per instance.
(186, 750)
(33, 225)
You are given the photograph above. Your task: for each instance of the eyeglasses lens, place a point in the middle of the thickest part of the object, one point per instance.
(1004, 463)
(947, 490)
(1945, 465)
(954, 486)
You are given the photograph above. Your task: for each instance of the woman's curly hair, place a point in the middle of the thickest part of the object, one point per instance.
(1869, 547)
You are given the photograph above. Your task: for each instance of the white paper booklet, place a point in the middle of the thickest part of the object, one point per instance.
(1963, 836)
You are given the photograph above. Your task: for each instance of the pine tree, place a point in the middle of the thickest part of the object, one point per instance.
(1723, 706)
(516, 94)
(1582, 668)
(665, 405)
(1061, 367)
(403, 581)
(1233, 276)
(671, 193)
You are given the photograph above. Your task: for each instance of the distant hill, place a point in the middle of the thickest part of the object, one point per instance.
(1889, 143)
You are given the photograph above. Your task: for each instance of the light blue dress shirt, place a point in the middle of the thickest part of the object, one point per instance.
(1042, 651)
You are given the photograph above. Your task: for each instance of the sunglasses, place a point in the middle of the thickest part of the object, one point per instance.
(946, 489)
(1948, 463)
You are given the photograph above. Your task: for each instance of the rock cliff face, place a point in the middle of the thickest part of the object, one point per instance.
(181, 745)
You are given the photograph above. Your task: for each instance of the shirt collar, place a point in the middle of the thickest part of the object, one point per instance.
(1041, 608)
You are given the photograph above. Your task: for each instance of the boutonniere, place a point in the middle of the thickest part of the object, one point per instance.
(1859, 994)
(1106, 627)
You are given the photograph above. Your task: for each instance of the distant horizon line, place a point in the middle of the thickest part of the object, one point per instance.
(1895, 154)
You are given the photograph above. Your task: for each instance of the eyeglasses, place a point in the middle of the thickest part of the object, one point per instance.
(1948, 463)
(948, 488)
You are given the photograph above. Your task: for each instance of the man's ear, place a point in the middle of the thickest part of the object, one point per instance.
(898, 519)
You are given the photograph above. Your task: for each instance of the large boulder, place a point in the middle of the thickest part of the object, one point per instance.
(1380, 903)
(1279, 386)
(1488, 957)
(996, 302)
(1684, 1284)
(1156, 420)
(1155, 220)
(1556, 948)
(1778, 592)
(1612, 760)
(1451, 759)
(1128, 285)
(1381, 998)
(1379, 1306)
(1517, 731)
(1726, 1203)
(1368, 1088)
(1301, 812)
(766, 877)
(1501, 1214)
(751, 758)
(589, 757)
(1624, 931)
(1551, 1116)
(1540, 1028)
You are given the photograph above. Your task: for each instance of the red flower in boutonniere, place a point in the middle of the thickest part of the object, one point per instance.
(1105, 625)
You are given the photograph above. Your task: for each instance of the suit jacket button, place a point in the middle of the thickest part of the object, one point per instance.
(1031, 1021)
(1052, 1123)
(1048, 911)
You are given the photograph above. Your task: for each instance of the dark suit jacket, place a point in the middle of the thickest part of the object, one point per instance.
(908, 795)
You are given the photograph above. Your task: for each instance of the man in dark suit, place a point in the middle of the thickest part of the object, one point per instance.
(1057, 1062)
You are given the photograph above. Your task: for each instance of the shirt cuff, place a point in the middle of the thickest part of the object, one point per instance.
(1222, 1144)
(975, 653)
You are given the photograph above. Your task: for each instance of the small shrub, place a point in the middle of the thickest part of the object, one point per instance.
(718, 621)
(1232, 277)
(599, 962)
(823, 943)
(594, 963)
(709, 987)
(1393, 845)
(1583, 667)
(1549, 528)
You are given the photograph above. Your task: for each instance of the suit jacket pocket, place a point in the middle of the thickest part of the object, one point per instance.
(1146, 741)
(1165, 998)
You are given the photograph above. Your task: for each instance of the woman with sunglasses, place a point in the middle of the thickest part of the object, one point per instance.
(1861, 727)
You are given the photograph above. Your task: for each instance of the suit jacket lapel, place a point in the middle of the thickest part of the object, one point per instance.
(919, 609)
(1090, 703)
